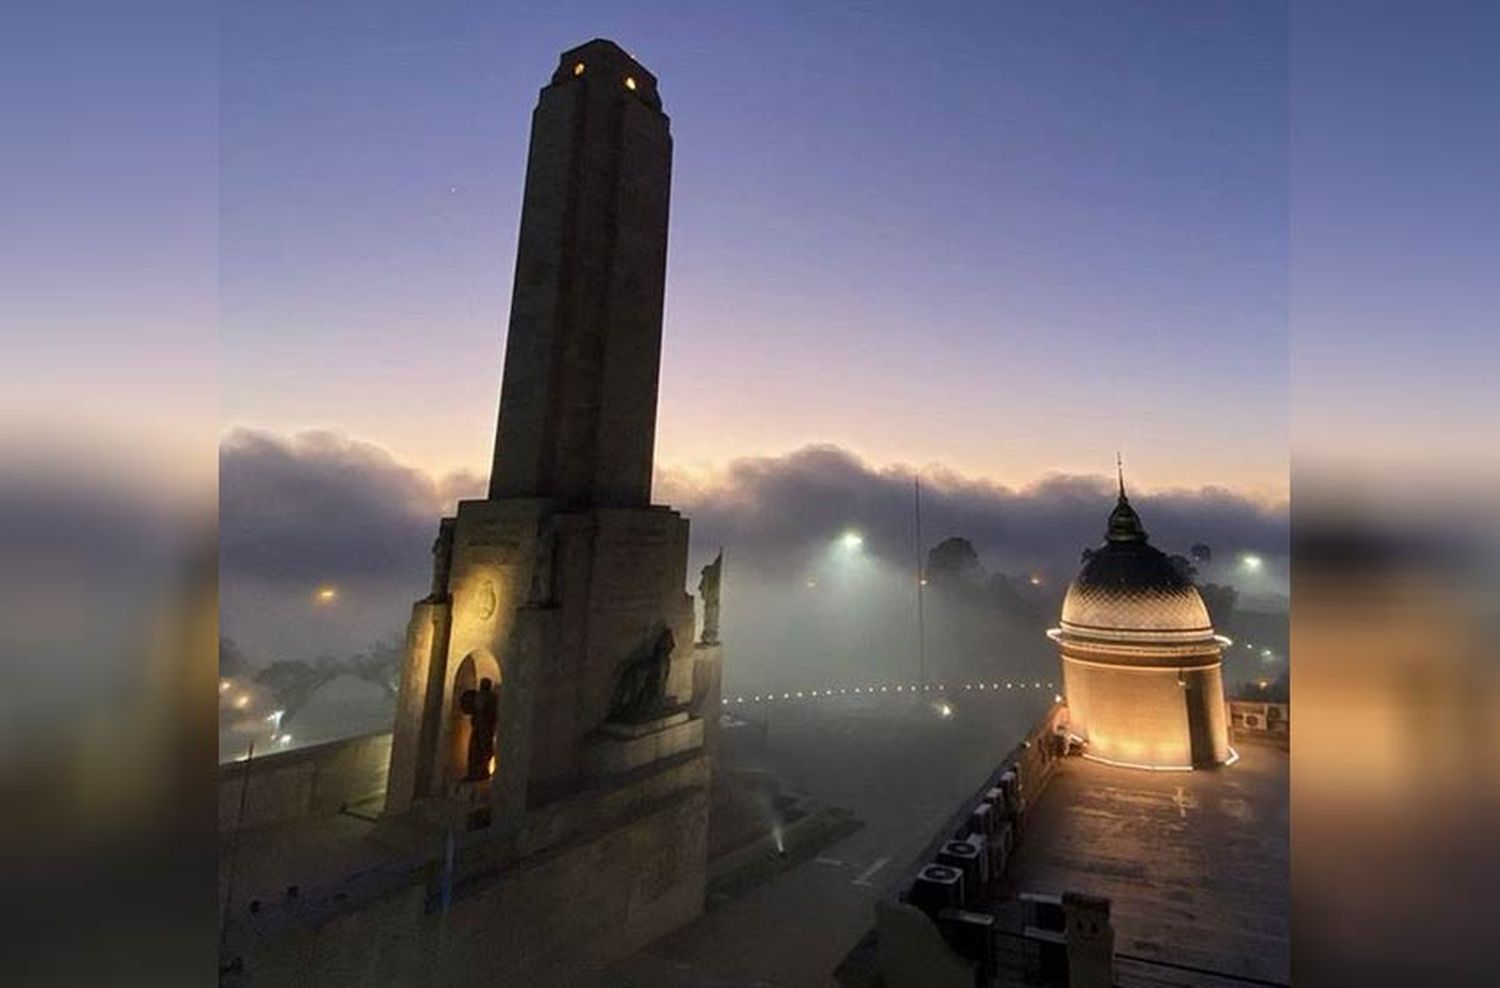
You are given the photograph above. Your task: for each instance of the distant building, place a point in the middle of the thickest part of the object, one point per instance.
(1142, 667)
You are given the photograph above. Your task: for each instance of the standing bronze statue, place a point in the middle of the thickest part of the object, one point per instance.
(483, 709)
(708, 589)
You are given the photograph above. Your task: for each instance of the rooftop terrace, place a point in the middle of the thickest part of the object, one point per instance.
(1195, 864)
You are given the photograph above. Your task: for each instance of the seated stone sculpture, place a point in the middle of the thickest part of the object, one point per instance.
(640, 689)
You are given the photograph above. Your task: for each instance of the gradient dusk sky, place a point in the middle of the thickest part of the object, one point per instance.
(1007, 239)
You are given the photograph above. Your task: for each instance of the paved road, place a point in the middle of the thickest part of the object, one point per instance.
(901, 768)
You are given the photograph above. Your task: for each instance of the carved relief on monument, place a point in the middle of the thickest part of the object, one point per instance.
(543, 592)
(486, 599)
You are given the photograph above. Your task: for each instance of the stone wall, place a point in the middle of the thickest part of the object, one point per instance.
(587, 880)
(318, 780)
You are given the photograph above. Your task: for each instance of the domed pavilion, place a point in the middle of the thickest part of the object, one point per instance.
(1142, 667)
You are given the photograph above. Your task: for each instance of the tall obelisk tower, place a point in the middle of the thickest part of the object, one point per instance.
(578, 404)
(555, 651)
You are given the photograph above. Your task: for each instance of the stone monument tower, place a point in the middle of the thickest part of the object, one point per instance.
(558, 616)
(578, 401)
(551, 761)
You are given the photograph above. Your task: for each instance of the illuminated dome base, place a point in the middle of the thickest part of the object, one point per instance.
(1161, 718)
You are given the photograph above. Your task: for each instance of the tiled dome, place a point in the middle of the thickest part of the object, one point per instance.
(1128, 585)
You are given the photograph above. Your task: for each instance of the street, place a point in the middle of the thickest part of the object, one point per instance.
(901, 767)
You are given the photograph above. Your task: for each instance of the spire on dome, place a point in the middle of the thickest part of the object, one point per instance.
(1124, 523)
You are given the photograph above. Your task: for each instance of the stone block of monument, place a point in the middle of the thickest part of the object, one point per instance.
(622, 747)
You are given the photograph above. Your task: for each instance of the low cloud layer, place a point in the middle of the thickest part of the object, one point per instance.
(323, 507)
(297, 512)
(774, 511)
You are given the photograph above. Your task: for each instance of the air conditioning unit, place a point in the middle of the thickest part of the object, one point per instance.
(1255, 722)
(938, 887)
(971, 860)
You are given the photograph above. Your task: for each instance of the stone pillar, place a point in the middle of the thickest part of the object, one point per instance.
(707, 702)
(578, 399)
(415, 731)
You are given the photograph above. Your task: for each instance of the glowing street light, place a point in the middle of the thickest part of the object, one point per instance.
(852, 540)
(1251, 562)
(326, 594)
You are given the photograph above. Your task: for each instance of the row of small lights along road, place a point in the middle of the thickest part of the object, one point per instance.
(875, 690)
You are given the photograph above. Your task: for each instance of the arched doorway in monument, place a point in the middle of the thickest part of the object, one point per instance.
(472, 705)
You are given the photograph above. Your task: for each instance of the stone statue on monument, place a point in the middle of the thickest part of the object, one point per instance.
(541, 592)
(483, 709)
(708, 590)
(641, 686)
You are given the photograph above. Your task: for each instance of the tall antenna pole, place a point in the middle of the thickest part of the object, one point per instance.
(921, 583)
